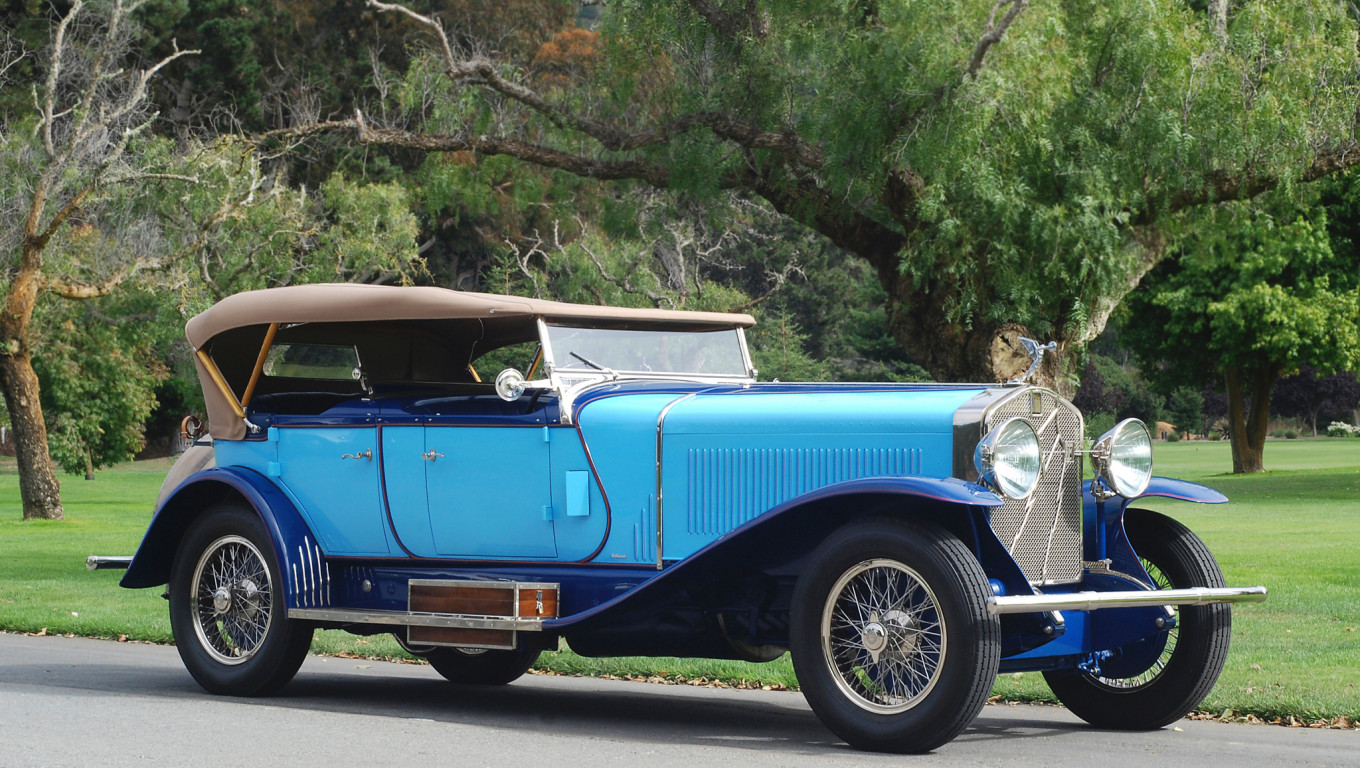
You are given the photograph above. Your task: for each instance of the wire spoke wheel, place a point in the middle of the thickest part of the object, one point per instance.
(233, 605)
(883, 635)
(1194, 648)
(228, 608)
(890, 634)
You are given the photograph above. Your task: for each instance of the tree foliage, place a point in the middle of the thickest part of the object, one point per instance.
(98, 374)
(1314, 397)
(1003, 167)
(1247, 300)
(92, 202)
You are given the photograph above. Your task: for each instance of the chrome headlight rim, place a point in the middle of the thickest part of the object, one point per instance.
(1012, 435)
(1115, 452)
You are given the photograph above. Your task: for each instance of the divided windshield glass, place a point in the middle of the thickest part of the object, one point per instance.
(701, 353)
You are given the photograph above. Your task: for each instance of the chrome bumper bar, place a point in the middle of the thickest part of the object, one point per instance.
(100, 563)
(1095, 601)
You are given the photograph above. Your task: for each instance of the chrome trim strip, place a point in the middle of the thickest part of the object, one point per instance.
(463, 621)
(1095, 601)
(660, 424)
(481, 584)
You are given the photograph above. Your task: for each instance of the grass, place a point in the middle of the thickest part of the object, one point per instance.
(1295, 529)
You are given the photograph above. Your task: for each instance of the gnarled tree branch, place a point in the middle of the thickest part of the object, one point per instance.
(992, 34)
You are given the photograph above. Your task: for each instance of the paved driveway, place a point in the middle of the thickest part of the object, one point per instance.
(84, 702)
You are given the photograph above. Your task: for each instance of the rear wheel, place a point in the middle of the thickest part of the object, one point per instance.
(890, 635)
(475, 666)
(227, 608)
(1173, 682)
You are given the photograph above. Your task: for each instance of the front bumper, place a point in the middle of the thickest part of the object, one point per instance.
(1095, 601)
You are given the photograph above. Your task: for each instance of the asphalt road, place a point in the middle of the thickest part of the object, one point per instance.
(77, 702)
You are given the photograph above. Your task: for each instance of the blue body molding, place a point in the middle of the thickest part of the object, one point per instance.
(736, 546)
(306, 577)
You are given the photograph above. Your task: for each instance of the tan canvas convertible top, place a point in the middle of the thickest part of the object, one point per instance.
(331, 303)
(350, 302)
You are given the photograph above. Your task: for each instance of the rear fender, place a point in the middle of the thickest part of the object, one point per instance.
(777, 542)
(306, 575)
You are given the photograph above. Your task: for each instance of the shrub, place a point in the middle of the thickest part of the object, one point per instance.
(1173, 437)
(1099, 423)
(1291, 434)
(1342, 429)
(1215, 436)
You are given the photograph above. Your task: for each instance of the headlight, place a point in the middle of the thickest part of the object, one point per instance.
(1008, 459)
(1123, 458)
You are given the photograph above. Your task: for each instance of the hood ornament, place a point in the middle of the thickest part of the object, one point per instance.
(1036, 351)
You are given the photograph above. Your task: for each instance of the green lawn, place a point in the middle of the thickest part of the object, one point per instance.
(1295, 529)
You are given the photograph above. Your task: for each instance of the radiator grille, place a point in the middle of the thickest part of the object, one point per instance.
(729, 486)
(1043, 532)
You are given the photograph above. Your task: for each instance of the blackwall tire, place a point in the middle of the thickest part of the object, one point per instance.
(228, 611)
(891, 639)
(469, 666)
(1195, 649)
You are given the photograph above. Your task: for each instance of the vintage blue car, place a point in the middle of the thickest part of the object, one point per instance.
(378, 463)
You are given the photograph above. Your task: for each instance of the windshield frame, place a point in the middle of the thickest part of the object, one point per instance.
(570, 377)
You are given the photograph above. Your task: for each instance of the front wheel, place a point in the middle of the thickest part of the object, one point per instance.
(890, 635)
(1193, 651)
(227, 608)
(474, 666)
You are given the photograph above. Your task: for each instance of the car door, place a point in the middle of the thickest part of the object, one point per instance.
(332, 472)
(488, 491)
(468, 490)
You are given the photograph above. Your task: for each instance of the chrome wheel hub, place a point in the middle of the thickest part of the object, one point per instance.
(221, 600)
(233, 609)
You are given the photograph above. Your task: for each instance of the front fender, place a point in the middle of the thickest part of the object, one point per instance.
(1105, 522)
(779, 538)
(306, 575)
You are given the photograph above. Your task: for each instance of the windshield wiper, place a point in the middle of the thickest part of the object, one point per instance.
(594, 364)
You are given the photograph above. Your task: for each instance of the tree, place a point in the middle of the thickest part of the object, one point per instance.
(1316, 397)
(93, 202)
(1248, 300)
(98, 378)
(69, 164)
(1185, 408)
(1004, 168)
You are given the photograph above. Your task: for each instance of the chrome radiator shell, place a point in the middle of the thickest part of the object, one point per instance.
(1044, 532)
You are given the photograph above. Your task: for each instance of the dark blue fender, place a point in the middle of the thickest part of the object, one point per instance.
(779, 539)
(1106, 538)
(1105, 523)
(306, 575)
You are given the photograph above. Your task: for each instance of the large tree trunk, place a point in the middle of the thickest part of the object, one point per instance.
(983, 353)
(38, 486)
(1248, 430)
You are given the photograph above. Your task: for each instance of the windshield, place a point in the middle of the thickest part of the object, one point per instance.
(705, 353)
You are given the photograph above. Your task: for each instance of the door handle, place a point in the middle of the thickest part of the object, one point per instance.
(368, 454)
(431, 455)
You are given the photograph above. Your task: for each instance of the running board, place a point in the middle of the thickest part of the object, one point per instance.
(1095, 601)
(460, 613)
